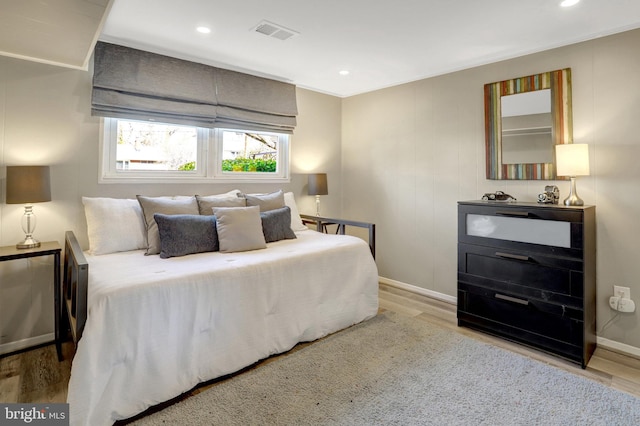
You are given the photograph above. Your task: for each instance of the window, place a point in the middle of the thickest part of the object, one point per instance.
(143, 151)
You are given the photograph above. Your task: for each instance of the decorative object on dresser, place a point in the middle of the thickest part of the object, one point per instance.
(527, 272)
(318, 186)
(498, 196)
(572, 160)
(27, 185)
(551, 195)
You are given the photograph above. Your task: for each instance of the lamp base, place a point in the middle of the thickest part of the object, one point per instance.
(28, 242)
(573, 199)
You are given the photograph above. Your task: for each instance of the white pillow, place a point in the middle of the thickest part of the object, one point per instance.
(114, 224)
(296, 220)
(232, 193)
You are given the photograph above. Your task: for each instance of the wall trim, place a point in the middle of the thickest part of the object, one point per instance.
(419, 290)
(6, 348)
(612, 345)
(621, 348)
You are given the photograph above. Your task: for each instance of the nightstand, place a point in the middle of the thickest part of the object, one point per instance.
(322, 223)
(45, 249)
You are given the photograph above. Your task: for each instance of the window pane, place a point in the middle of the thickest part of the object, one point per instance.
(249, 152)
(156, 147)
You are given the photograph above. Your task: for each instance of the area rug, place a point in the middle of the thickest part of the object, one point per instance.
(404, 371)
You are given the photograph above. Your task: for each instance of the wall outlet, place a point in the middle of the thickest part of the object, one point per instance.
(621, 299)
(622, 292)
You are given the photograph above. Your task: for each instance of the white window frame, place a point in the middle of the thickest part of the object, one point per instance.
(209, 160)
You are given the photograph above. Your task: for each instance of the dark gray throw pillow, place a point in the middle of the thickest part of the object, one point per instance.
(276, 225)
(183, 234)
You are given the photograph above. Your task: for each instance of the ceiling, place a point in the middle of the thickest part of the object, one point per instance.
(58, 32)
(381, 43)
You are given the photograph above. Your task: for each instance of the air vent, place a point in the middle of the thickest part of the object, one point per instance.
(274, 30)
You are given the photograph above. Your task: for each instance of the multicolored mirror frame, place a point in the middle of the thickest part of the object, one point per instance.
(562, 128)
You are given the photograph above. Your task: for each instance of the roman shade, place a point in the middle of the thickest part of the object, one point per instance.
(134, 84)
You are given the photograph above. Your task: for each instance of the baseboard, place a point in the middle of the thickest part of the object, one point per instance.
(419, 290)
(6, 348)
(611, 345)
(621, 348)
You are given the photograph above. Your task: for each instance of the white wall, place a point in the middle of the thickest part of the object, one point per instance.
(45, 119)
(410, 152)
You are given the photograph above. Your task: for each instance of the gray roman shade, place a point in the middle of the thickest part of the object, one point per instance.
(134, 84)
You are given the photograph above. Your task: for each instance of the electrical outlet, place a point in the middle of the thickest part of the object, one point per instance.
(622, 292)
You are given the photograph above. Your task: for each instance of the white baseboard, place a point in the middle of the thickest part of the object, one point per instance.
(419, 290)
(5, 348)
(611, 345)
(621, 348)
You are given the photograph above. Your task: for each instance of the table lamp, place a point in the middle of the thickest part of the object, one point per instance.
(318, 186)
(572, 160)
(27, 185)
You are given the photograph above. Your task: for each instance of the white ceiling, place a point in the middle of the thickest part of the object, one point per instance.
(381, 43)
(58, 32)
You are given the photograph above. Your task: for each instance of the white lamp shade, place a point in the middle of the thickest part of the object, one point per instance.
(572, 159)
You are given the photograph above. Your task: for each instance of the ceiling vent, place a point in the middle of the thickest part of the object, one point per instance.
(274, 30)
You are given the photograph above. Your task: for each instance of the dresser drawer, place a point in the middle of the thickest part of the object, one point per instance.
(550, 231)
(542, 274)
(548, 324)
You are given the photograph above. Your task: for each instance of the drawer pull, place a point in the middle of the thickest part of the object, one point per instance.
(514, 213)
(512, 299)
(512, 256)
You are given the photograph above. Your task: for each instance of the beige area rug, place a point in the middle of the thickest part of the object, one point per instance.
(404, 371)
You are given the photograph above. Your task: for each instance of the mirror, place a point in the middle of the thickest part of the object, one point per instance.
(526, 127)
(524, 119)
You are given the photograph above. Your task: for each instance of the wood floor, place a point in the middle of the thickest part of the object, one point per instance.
(37, 376)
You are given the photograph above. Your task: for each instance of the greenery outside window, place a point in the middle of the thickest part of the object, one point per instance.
(143, 151)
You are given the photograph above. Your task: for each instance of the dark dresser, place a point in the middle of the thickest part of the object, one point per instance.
(527, 272)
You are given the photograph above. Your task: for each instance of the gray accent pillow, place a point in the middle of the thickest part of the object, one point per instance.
(266, 202)
(164, 205)
(239, 228)
(276, 225)
(183, 234)
(206, 203)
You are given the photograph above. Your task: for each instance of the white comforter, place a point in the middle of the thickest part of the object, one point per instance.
(157, 327)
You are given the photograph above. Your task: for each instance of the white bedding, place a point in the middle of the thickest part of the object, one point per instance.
(157, 327)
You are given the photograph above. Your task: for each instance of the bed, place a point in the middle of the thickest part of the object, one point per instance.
(156, 327)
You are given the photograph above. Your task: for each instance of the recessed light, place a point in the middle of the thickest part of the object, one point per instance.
(344, 72)
(203, 30)
(569, 3)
